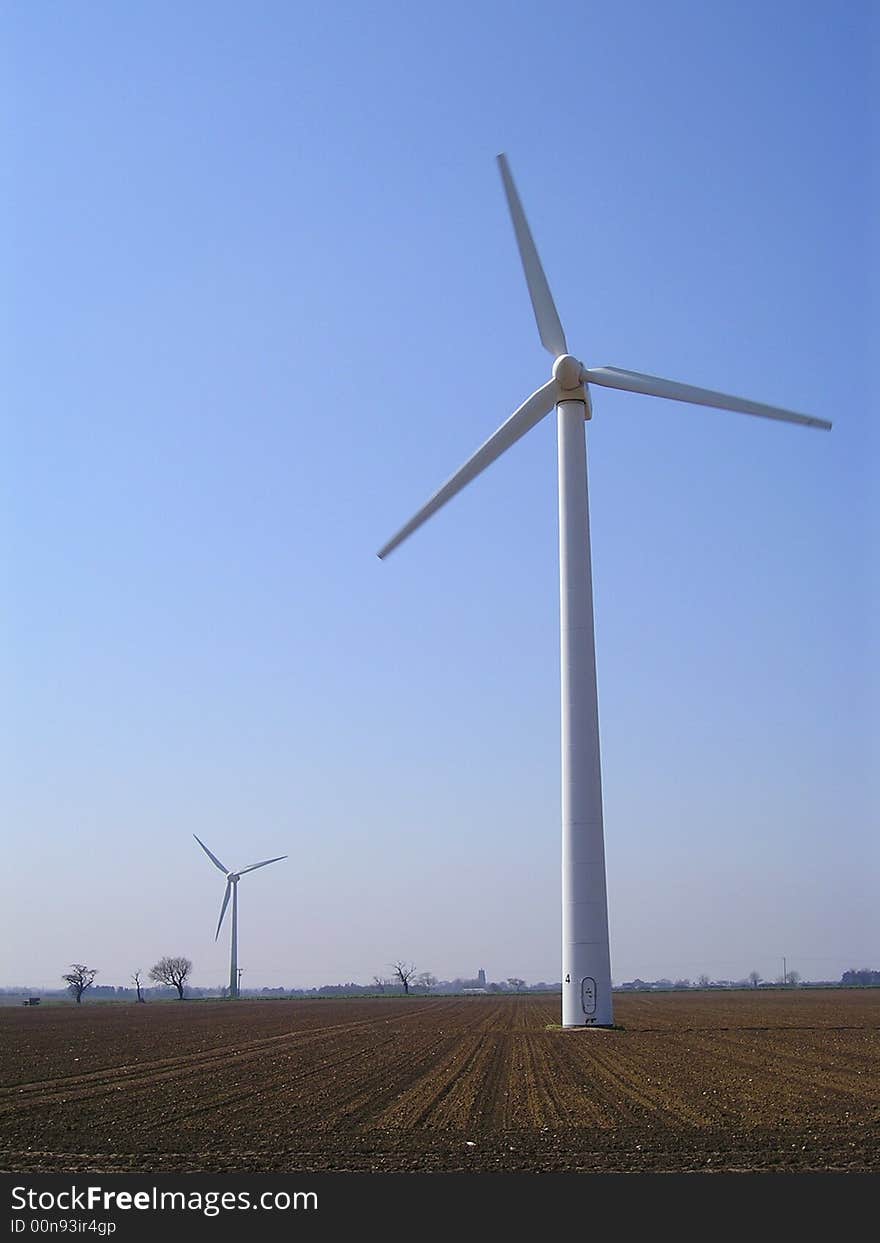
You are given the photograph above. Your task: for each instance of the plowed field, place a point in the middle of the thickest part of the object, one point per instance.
(701, 1081)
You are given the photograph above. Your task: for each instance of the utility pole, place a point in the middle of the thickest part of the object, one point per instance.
(784, 972)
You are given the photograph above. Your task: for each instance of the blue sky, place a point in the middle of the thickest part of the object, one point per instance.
(263, 298)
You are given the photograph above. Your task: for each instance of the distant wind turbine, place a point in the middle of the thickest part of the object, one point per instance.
(232, 879)
(586, 963)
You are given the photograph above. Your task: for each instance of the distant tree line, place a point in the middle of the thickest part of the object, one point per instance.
(861, 976)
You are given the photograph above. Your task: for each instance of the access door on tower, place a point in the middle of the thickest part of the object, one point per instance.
(588, 995)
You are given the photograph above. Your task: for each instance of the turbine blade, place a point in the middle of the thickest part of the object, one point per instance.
(654, 386)
(254, 866)
(549, 326)
(222, 866)
(521, 421)
(223, 908)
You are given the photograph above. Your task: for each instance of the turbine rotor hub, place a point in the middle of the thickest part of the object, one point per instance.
(567, 372)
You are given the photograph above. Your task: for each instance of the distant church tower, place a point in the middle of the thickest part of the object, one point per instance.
(481, 978)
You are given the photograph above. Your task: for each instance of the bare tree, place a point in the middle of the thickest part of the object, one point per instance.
(515, 983)
(79, 978)
(426, 980)
(703, 981)
(172, 971)
(404, 972)
(136, 981)
(381, 982)
(794, 977)
(754, 979)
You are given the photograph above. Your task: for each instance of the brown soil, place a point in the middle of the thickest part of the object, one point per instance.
(699, 1081)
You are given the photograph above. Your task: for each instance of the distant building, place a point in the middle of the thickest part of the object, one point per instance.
(481, 978)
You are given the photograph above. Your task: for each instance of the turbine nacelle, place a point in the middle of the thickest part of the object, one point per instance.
(568, 372)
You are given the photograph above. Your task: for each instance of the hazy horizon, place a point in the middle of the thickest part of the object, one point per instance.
(148, 986)
(264, 297)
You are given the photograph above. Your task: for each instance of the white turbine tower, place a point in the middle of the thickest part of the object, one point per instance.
(232, 879)
(586, 965)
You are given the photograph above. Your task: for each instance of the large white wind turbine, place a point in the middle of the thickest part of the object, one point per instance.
(232, 887)
(586, 965)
